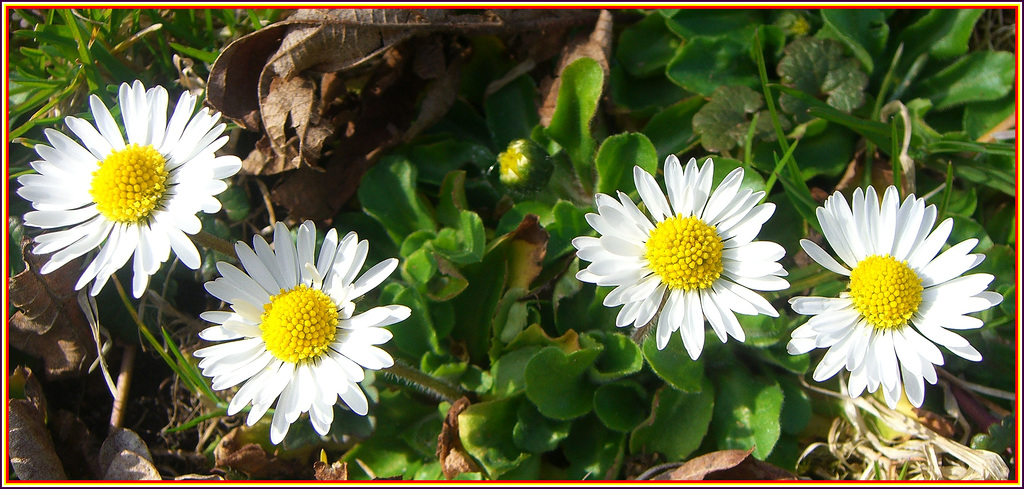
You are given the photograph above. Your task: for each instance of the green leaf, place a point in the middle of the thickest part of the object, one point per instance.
(510, 316)
(826, 152)
(464, 244)
(235, 202)
(747, 411)
(818, 68)
(388, 193)
(723, 122)
(796, 406)
(993, 171)
(645, 48)
(568, 223)
(863, 31)
(536, 433)
(678, 422)
(437, 156)
(204, 56)
(474, 307)
(451, 199)
(877, 132)
(982, 117)
(419, 265)
(578, 93)
(723, 166)
(510, 111)
(485, 430)
(942, 33)
(706, 63)
(616, 158)
(643, 96)
(674, 365)
(386, 454)
(671, 130)
(578, 305)
(556, 382)
(621, 356)
(999, 437)
(416, 335)
(509, 371)
(621, 405)
(593, 451)
(734, 23)
(966, 228)
(979, 76)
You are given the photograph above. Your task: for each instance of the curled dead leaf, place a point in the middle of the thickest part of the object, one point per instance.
(236, 453)
(124, 456)
(727, 465)
(453, 457)
(30, 448)
(50, 324)
(337, 471)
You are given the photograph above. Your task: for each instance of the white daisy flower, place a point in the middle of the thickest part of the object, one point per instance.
(292, 335)
(902, 298)
(695, 261)
(139, 196)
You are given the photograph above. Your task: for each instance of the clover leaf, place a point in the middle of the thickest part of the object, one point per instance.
(820, 68)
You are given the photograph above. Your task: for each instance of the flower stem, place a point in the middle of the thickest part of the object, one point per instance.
(215, 243)
(431, 385)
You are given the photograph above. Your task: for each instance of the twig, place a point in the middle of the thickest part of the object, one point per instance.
(124, 380)
(980, 389)
(266, 200)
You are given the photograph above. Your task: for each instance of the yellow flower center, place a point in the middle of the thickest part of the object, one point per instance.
(299, 323)
(129, 183)
(885, 291)
(685, 253)
(513, 164)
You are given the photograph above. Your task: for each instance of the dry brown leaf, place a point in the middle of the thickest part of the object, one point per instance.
(727, 465)
(453, 457)
(50, 324)
(129, 465)
(597, 46)
(30, 448)
(251, 459)
(122, 439)
(285, 56)
(337, 471)
(292, 106)
(124, 456)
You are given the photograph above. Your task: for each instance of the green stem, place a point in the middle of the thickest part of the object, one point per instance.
(431, 385)
(215, 243)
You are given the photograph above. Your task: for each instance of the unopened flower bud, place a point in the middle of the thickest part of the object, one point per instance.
(523, 168)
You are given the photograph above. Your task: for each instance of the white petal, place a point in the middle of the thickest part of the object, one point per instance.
(284, 250)
(355, 399)
(824, 259)
(651, 194)
(692, 329)
(951, 263)
(374, 276)
(305, 242)
(927, 250)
